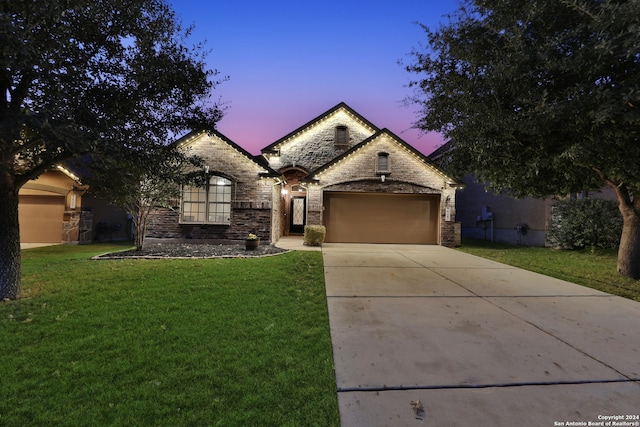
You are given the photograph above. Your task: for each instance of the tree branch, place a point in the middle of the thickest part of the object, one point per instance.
(575, 4)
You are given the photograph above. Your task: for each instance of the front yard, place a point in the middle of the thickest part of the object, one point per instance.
(592, 268)
(226, 342)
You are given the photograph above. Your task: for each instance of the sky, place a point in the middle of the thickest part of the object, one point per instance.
(290, 61)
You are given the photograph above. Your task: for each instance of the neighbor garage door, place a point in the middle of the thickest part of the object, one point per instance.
(41, 219)
(381, 218)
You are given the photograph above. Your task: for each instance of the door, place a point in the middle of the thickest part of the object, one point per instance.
(381, 218)
(298, 216)
(41, 219)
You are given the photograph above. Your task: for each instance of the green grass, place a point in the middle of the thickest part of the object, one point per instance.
(223, 342)
(592, 268)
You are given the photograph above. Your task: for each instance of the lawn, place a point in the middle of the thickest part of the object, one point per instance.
(216, 342)
(594, 268)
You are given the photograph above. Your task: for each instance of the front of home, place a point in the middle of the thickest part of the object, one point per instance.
(363, 183)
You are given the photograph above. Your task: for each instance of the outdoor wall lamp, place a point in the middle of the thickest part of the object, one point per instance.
(382, 178)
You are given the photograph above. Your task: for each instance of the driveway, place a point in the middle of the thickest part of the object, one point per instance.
(427, 335)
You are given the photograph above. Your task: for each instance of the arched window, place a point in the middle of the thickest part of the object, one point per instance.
(210, 204)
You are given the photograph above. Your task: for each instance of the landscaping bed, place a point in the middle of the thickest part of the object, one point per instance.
(195, 250)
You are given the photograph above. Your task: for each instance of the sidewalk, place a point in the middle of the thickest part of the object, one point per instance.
(426, 335)
(294, 243)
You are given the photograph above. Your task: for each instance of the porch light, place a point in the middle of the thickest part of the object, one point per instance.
(382, 178)
(284, 191)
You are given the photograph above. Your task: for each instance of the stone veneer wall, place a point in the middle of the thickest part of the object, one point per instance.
(408, 175)
(250, 205)
(71, 227)
(276, 213)
(315, 147)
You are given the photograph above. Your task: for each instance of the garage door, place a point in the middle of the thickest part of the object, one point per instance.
(381, 218)
(41, 219)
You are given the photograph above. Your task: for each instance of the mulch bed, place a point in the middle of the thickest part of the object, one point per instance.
(183, 250)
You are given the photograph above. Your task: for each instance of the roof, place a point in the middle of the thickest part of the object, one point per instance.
(403, 143)
(272, 147)
(259, 160)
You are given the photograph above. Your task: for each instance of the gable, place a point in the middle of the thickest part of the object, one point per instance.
(404, 164)
(221, 155)
(59, 181)
(315, 143)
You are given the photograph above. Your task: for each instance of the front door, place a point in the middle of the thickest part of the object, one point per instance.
(298, 214)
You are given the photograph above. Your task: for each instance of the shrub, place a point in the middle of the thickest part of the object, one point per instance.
(584, 223)
(314, 235)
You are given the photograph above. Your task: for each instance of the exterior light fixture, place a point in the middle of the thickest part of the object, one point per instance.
(382, 178)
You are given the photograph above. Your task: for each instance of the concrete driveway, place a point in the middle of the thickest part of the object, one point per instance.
(426, 335)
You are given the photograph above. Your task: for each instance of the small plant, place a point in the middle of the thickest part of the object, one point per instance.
(252, 236)
(314, 235)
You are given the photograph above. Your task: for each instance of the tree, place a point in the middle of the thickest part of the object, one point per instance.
(540, 97)
(139, 182)
(89, 76)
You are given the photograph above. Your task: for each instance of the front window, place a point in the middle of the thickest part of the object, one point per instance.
(209, 204)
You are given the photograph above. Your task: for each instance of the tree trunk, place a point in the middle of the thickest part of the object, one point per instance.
(629, 250)
(9, 245)
(140, 232)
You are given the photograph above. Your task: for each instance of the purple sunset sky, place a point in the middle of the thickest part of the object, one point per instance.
(289, 61)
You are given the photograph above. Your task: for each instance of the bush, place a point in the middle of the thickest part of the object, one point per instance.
(314, 235)
(584, 223)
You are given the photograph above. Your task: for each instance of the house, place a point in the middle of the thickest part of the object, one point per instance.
(49, 209)
(363, 183)
(496, 216)
(58, 208)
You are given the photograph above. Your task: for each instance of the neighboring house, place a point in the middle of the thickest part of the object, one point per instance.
(57, 208)
(50, 209)
(363, 183)
(108, 223)
(497, 217)
(500, 218)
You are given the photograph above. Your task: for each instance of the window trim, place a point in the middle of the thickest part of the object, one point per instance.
(207, 201)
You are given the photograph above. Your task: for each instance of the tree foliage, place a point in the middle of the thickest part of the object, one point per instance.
(90, 76)
(540, 97)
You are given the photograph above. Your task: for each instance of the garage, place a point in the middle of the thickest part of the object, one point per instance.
(41, 219)
(381, 218)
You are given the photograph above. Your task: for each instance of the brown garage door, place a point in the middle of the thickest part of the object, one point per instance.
(381, 218)
(41, 219)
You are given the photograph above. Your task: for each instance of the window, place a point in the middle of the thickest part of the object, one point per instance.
(210, 204)
(342, 136)
(383, 163)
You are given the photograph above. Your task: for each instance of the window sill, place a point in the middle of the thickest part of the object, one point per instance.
(203, 223)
